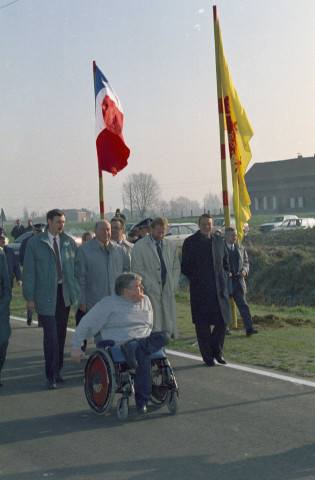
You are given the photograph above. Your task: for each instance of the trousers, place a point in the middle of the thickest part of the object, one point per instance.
(210, 342)
(144, 347)
(54, 331)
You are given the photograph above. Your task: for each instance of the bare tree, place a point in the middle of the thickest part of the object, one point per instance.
(184, 207)
(213, 203)
(141, 193)
(25, 214)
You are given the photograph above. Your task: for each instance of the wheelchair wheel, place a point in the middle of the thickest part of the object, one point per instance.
(122, 409)
(173, 403)
(160, 392)
(99, 382)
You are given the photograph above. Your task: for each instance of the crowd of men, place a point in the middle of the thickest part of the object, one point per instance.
(124, 291)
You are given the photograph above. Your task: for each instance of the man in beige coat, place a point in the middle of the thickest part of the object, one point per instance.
(156, 260)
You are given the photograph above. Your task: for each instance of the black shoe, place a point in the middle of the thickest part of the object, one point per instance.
(220, 359)
(59, 379)
(130, 355)
(29, 319)
(51, 385)
(210, 363)
(251, 331)
(142, 409)
(39, 324)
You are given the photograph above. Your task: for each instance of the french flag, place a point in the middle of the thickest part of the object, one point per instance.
(109, 118)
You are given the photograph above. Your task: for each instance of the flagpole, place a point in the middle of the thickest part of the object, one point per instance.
(100, 173)
(225, 193)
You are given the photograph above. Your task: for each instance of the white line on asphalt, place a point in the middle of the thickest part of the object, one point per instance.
(285, 378)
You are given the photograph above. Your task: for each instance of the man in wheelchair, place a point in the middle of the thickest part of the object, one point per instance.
(127, 319)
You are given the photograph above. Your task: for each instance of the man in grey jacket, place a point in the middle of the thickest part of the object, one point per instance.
(101, 263)
(239, 267)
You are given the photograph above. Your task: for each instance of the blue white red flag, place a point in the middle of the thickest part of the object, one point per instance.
(109, 118)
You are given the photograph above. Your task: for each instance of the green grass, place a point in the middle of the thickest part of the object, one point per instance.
(285, 343)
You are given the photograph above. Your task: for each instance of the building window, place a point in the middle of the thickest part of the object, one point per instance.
(274, 203)
(292, 202)
(300, 202)
(265, 203)
(256, 204)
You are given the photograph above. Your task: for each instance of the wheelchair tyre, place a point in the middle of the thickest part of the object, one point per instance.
(99, 381)
(160, 393)
(173, 403)
(122, 409)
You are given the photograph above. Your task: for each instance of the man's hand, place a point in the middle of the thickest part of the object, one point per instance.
(30, 306)
(243, 273)
(82, 307)
(19, 283)
(77, 354)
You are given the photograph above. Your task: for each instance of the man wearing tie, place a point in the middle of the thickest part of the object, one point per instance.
(239, 267)
(50, 286)
(156, 260)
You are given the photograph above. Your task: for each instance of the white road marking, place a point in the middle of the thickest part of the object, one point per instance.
(265, 373)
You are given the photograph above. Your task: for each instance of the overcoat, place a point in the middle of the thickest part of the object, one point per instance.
(96, 282)
(40, 277)
(145, 261)
(196, 266)
(5, 298)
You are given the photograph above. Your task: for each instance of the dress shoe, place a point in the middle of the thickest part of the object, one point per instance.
(59, 379)
(142, 409)
(220, 359)
(29, 319)
(210, 363)
(251, 331)
(130, 355)
(51, 385)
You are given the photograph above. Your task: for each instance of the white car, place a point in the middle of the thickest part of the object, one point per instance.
(295, 223)
(178, 232)
(275, 222)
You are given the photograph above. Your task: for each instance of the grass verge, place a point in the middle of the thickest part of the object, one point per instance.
(285, 343)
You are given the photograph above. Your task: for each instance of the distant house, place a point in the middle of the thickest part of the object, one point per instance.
(284, 186)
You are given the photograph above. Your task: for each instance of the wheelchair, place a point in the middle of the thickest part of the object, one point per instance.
(107, 373)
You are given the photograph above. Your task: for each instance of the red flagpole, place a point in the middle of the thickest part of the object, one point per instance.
(225, 193)
(100, 173)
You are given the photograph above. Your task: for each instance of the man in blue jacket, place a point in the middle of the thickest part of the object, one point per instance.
(51, 286)
(239, 268)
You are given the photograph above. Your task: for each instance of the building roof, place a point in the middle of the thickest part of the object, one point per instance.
(280, 169)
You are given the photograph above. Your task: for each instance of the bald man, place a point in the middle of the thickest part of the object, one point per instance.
(101, 263)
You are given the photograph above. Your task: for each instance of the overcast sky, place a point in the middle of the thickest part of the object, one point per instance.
(159, 56)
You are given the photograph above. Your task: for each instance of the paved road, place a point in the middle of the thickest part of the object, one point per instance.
(231, 425)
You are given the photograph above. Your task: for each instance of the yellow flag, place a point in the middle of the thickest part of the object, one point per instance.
(239, 133)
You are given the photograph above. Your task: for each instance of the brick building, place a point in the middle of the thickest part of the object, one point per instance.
(284, 186)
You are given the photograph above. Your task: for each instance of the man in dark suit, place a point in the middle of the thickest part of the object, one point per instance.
(239, 266)
(205, 262)
(12, 262)
(17, 230)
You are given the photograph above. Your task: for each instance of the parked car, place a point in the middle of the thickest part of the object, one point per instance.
(17, 243)
(219, 225)
(178, 232)
(74, 232)
(295, 223)
(274, 222)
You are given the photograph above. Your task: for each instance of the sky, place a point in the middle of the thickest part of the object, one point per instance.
(159, 57)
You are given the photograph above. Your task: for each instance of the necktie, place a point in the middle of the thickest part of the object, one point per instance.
(163, 267)
(59, 271)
